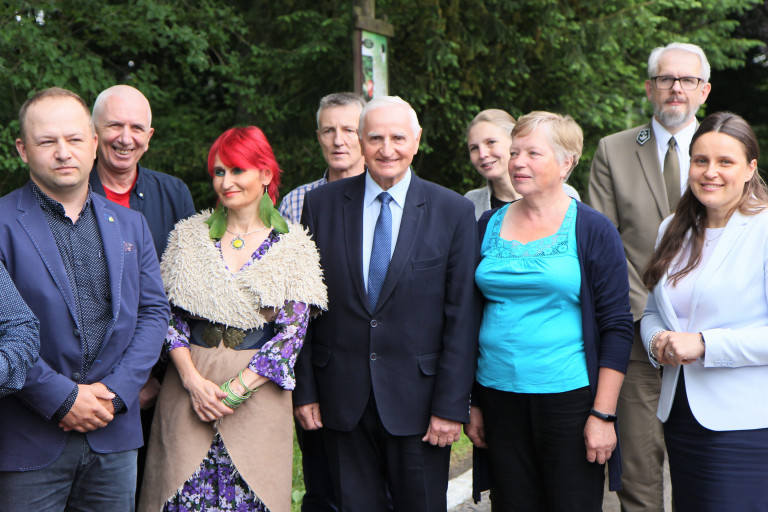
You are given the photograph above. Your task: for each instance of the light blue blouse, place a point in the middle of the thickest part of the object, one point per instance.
(531, 334)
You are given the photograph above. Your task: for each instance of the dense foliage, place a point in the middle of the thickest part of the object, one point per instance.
(209, 64)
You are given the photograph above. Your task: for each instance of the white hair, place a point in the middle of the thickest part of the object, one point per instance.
(653, 60)
(389, 101)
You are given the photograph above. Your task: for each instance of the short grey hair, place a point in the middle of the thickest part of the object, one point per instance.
(653, 60)
(390, 101)
(339, 99)
(564, 134)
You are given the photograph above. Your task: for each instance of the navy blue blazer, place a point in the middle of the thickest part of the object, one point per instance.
(163, 199)
(417, 350)
(29, 439)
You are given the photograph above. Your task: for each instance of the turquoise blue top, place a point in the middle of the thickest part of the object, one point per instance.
(531, 334)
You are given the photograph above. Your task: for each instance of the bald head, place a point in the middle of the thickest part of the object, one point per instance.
(123, 120)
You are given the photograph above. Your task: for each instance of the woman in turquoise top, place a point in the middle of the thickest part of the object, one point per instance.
(556, 331)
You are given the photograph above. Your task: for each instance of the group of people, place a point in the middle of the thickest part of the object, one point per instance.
(396, 311)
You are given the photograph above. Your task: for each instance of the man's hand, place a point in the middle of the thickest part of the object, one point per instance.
(148, 393)
(475, 429)
(308, 416)
(92, 409)
(442, 432)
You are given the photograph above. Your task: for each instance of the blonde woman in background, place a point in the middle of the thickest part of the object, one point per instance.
(488, 140)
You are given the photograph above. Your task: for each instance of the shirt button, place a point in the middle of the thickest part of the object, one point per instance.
(75, 376)
(76, 332)
(374, 323)
(374, 356)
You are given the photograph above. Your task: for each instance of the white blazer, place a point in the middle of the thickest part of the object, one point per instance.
(727, 388)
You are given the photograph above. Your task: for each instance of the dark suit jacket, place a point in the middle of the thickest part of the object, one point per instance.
(163, 199)
(28, 437)
(417, 350)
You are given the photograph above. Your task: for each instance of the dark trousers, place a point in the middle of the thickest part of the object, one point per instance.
(368, 461)
(538, 459)
(714, 471)
(318, 484)
(79, 480)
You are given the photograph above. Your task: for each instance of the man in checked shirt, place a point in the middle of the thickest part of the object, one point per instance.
(88, 270)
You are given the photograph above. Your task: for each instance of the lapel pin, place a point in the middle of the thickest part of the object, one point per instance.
(643, 136)
(111, 219)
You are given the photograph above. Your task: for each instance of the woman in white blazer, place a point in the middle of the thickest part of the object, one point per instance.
(706, 321)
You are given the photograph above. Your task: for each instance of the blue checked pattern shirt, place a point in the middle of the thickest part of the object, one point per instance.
(19, 336)
(293, 202)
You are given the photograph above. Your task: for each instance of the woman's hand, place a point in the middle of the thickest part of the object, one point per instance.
(475, 429)
(600, 439)
(678, 347)
(206, 398)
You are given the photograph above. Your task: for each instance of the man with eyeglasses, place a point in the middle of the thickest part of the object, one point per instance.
(636, 179)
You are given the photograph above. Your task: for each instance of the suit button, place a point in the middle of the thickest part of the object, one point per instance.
(76, 332)
(76, 377)
(374, 323)
(374, 356)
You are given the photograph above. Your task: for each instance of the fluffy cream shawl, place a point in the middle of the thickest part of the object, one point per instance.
(197, 280)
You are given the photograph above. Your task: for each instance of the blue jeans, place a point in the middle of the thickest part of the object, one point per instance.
(79, 480)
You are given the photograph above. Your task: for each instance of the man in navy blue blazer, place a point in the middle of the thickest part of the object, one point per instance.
(88, 270)
(389, 367)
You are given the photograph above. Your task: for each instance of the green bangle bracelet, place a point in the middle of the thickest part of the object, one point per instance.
(242, 383)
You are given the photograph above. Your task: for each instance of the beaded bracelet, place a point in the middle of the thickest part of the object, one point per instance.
(651, 346)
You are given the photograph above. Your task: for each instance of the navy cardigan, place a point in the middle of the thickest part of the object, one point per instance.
(605, 314)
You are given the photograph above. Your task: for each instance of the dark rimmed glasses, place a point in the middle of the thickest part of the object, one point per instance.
(665, 82)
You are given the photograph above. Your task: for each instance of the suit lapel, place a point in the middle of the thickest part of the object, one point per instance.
(34, 223)
(648, 156)
(725, 245)
(352, 219)
(114, 248)
(413, 212)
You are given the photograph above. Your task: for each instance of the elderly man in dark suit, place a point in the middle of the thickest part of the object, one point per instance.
(637, 177)
(88, 270)
(389, 367)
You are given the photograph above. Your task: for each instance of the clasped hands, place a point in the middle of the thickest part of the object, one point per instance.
(674, 348)
(92, 409)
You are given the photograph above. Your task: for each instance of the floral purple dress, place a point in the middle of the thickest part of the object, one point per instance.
(217, 485)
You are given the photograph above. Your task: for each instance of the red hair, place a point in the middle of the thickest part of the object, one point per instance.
(247, 148)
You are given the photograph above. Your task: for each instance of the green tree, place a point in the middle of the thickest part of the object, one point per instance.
(206, 65)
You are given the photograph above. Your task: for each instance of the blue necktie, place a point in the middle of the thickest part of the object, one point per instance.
(381, 250)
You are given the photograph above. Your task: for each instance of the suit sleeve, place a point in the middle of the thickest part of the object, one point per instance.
(462, 310)
(602, 196)
(305, 391)
(131, 372)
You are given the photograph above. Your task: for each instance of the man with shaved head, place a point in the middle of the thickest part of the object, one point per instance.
(123, 120)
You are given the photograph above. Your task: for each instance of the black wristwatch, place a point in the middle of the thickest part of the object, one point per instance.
(605, 417)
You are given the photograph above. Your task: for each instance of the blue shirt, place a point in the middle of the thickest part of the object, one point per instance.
(293, 202)
(19, 337)
(371, 209)
(531, 334)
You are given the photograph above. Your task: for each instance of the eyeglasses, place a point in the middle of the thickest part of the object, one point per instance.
(665, 82)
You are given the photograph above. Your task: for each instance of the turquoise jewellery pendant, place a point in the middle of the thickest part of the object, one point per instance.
(238, 243)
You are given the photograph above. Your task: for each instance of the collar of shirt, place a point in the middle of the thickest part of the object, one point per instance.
(53, 206)
(371, 209)
(683, 140)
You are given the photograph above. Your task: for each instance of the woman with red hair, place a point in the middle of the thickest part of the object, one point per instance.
(242, 283)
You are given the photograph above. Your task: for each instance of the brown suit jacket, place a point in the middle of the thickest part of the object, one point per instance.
(627, 186)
